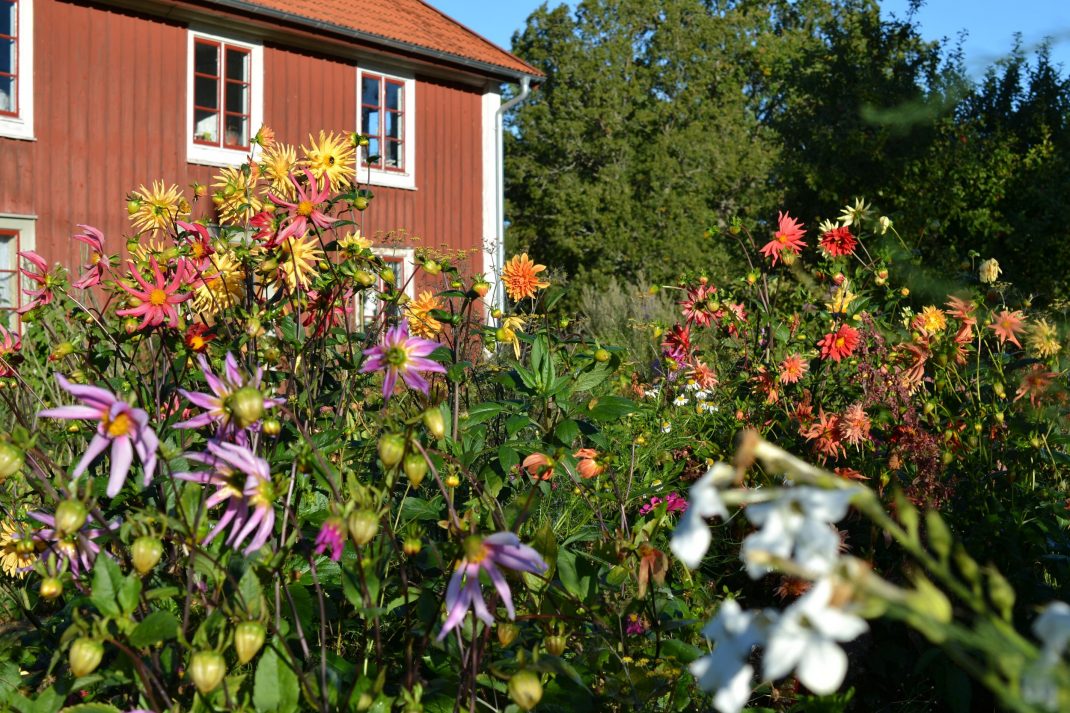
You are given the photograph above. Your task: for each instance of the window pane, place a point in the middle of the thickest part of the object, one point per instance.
(369, 92)
(8, 250)
(393, 125)
(7, 94)
(206, 126)
(9, 284)
(236, 95)
(206, 92)
(369, 122)
(206, 59)
(237, 131)
(7, 18)
(373, 150)
(237, 65)
(394, 96)
(7, 56)
(393, 154)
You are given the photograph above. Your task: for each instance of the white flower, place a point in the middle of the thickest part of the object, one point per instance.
(885, 223)
(827, 226)
(1052, 627)
(854, 214)
(702, 395)
(734, 632)
(666, 427)
(797, 525)
(1038, 682)
(680, 400)
(692, 536)
(805, 638)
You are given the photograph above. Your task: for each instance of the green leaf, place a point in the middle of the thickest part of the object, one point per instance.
(568, 569)
(157, 626)
(567, 431)
(129, 592)
(275, 687)
(250, 592)
(91, 708)
(107, 579)
(679, 650)
(413, 508)
(508, 457)
(483, 412)
(608, 408)
(591, 378)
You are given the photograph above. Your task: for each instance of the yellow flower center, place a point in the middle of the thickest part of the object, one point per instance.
(95, 258)
(121, 425)
(839, 342)
(158, 297)
(305, 208)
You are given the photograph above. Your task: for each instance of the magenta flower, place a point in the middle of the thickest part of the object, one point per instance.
(122, 427)
(215, 404)
(487, 554)
(94, 269)
(157, 300)
(76, 550)
(243, 482)
(309, 198)
(199, 242)
(401, 354)
(636, 625)
(43, 296)
(331, 537)
(9, 344)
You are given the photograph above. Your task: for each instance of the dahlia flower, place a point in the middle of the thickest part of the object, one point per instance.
(331, 157)
(521, 277)
(402, 355)
(77, 549)
(332, 536)
(305, 208)
(1008, 326)
(788, 237)
(43, 296)
(94, 269)
(839, 344)
(486, 554)
(157, 300)
(838, 242)
(123, 428)
(9, 344)
(224, 386)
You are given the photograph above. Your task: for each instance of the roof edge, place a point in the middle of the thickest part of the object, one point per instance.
(494, 70)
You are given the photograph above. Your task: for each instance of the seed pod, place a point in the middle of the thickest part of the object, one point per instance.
(364, 278)
(363, 526)
(146, 553)
(272, 427)
(51, 588)
(85, 656)
(391, 449)
(207, 669)
(601, 355)
(411, 546)
(507, 632)
(246, 406)
(525, 689)
(434, 422)
(415, 468)
(248, 638)
(555, 644)
(70, 516)
(11, 459)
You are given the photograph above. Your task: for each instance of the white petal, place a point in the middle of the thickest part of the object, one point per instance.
(826, 505)
(817, 547)
(823, 666)
(787, 644)
(691, 539)
(838, 625)
(732, 698)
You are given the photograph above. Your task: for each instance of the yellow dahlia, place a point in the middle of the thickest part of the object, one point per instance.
(18, 550)
(331, 156)
(1044, 339)
(421, 321)
(841, 299)
(931, 320)
(299, 261)
(234, 200)
(223, 283)
(157, 207)
(277, 164)
(521, 277)
(353, 244)
(506, 333)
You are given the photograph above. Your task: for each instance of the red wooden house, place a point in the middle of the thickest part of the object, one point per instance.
(99, 96)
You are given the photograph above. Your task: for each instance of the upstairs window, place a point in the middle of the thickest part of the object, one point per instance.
(226, 98)
(387, 118)
(16, 69)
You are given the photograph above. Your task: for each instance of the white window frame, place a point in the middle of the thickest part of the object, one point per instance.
(368, 305)
(405, 178)
(21, 126)
(26, 225)
(216, 155)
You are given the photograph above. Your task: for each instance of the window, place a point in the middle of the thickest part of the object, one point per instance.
(225, 98)
(16, 234)
(402, 262)
(387, 118)
(16, 69)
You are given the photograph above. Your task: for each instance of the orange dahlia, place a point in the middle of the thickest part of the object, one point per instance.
(421, 322)
(520, 277)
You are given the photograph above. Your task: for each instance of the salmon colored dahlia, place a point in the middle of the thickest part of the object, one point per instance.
(788, 237)
(793, 368)
(588, 464)
(1008, 326)
(838, 242)
(520, 277)
(839, 344)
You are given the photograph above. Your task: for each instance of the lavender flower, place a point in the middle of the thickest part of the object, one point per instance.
(121, 426)
(404, 355)
(331, 537)
(502, 549)
(218, 410)
(77, 549)
(243, 481)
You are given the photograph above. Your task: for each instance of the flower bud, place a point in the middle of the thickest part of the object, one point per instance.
(11, 459)
(245, 406)
(248, 638)
(434, 422)
(415, 467)
(507, 632)
(146, 553)
(411, 546)
(496, 313)
(431, 267)
(364, 278)
(481, 288)
(363, 526)
(453, 480)
(51, 588)
(525, 689)
(360, 203)
(207, 669)
(70, 516)
(601, 355)
(133, 206)
(85, 656)
(555, 644)
(989, 271)
(391, 449)
(271, 427)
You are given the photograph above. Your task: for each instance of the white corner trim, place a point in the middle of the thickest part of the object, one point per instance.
(492, 99)
(215, 155)
(369, 306)
(21, 126)
(405, 179)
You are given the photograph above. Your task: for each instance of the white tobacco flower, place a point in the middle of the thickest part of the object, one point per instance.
(1052, 627)
(805, 639)
(797, 525)
(735, 633)
(692, 536)
(1038, 682)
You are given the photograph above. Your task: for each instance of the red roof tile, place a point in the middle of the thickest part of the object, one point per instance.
(410, 21)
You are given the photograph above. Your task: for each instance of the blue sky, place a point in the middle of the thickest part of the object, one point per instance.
(991, 24)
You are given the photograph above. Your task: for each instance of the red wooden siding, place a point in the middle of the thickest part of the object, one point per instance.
(110, 91)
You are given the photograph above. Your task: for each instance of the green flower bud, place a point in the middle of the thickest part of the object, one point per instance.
(11, 459)
(51, 588)
(525, 689)
(207, 669)
(391, 449)
(507, 632)
(415, 468)
(146, 553)
(434, 422)
(85, 656)
(70, 516)
(248, 639)
(555, 644)
(363, 526)
(245, 406)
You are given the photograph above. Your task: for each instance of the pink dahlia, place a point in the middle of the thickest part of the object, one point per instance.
(157, 300)
(788, 238)
(44, 295)
(75, 551)
(94, 269)
(9, 344)
(218, 404)
(306, 209)
(402, 355)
